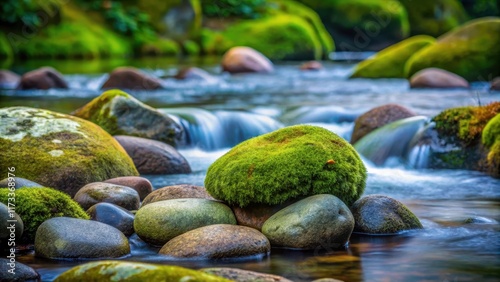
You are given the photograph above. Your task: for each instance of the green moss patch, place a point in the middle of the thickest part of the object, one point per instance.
(289, 163)
(470, 51)
(133, 271)
(434, 17)
(466, 124)
(58, 150)
(36, 205)
(390, 62)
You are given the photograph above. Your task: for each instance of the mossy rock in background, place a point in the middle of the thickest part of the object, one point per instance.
(280, 37)
(491, 139)
(482, 8)
(133, 271)
(390, 62)
(470, 51)
(459, 139)
(174, 18)
(121, 114)
(358, 25)
(289, 163)
(286, 31)
(58, 150)
(76, 36)
(434, 17)
(36, 205)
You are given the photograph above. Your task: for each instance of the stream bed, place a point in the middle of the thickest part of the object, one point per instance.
(460, 210)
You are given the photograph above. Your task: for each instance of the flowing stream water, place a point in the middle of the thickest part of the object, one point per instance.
(459, 209)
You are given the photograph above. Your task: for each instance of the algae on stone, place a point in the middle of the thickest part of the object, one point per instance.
(390, 62)
(121, 114)
(133, 271)
(36, 205)
(291, 162)
(491, 139)
(58, 150)
(470, 51)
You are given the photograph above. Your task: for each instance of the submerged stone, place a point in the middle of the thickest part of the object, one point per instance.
(86, 153)
(22, 272)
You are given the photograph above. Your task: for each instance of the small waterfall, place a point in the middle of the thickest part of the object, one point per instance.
(221, 129)
(396, 143)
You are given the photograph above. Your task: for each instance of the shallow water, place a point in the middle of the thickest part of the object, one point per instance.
(448, 249)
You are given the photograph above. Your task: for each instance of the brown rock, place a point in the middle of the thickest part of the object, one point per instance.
(131, 78)
(241, 275)
(495, 84)
(218, 241)
(245, 59)
(256, 214)
(311, 65)
(378, 117)
(98, 192)
(153, 157)
(9, 79)
(42, 78)
(140, 184)
(177, 192)
(437, 78)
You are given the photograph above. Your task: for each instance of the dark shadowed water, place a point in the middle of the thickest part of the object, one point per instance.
(448, 249)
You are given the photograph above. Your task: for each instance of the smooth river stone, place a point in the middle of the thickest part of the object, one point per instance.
(218, 241)
(66, 237)
(378, 214)
(241, 275)
(159, 222)
(177, 192)
(113, 215)
(98, 192)
(317, 221)
(140, 184)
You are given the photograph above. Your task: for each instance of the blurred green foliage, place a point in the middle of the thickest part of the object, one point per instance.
(233, 8)
(16, 12)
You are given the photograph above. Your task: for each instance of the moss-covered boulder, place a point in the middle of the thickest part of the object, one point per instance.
(134, 271)
(73, 238)
(36, 205)
(434, 17)
(291, 162)
(362, 24)
(288, 31)
(58, 150)
(460, 142)
(121, 114)
(491, 139)
(390, 62)
(158, 222)
(377, 214)
(470, 51)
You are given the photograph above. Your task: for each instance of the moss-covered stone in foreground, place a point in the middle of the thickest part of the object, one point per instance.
(134, 271)
(36, 205)
(58, 150)
(291, 162)
(491, 139)
(390, 62)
